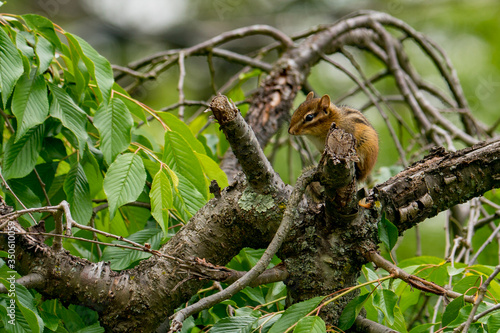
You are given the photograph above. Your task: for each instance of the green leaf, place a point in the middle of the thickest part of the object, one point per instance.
(134, 107)
(121, 258)
(399, 324)
(238, 324)
(213, 170)
(421, 328)
(387, 233)
(114, 123)
(70, 319)
(77, 192)
(188, 325)
(265, 323)
(44, 26)
(124, 181)
(193, 186)
(98, 67)
(11, 66)
(294, 313)
(351, 311)
(247, 258)
(312, 324)
(386, 300)
(408, 296)
(94, 328)
(49, 320)
(452, 310)
(76, 74)
(69, 113)
(370, 275)
(25, 193)
(161, 199)
(494, 322)
(30, 103)
(25, 303)
(463, 315)
(422, 260)
(24, 42)
(92, 172)
(467, 285)
(452, 271)
(181, 128)
(20, 157)
(24, 300)
(44, 53)
(255, 294)
(275, 291)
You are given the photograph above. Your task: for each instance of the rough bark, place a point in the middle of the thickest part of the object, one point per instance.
(316, 251)
(440, 180)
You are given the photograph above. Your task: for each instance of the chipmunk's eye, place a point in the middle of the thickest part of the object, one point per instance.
(309, 117)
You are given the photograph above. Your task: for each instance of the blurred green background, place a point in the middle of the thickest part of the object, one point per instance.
(127, 30)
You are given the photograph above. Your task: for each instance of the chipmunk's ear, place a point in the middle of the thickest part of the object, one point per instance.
(324, 103)
(310, 96)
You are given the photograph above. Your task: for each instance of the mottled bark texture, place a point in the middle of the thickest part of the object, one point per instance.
(440, 180)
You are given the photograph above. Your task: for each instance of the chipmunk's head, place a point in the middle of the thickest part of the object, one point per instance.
(313, 117)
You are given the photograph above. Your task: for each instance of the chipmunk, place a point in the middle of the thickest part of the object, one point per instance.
(314, 117)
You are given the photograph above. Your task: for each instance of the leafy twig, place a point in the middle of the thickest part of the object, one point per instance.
(482, 291)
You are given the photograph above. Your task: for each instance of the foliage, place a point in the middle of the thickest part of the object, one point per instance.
(71, 133)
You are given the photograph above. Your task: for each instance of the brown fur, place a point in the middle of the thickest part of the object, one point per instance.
(314, 117)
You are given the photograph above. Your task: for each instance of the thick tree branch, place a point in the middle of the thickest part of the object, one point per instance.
(337, 173)
(438, 182)
(288, 218)
(259, 172)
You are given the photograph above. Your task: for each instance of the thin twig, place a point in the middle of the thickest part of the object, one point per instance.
(482, 291)
(42, 184)
(131, 72)
(7, 122)
(94, 236)
(180, 85)
(473, 216)
(436, 312)
(185, 103)
(15, 196)
(221, 39)
(241, 59)
(412, 280)
(211, 69)
(483, 246)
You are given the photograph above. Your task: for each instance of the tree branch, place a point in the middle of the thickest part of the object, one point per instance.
(204, 270)
(260, 266)
(438, 182)
(255, 165)
(412, 280)
(367, 325)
